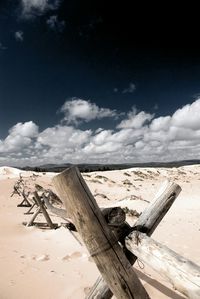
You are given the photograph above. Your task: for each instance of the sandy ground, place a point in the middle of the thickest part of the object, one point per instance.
(49, 264)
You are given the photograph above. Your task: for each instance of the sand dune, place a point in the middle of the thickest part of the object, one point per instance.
(49, 264)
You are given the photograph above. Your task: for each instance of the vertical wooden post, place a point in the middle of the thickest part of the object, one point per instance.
(147, 222)
(97, 236)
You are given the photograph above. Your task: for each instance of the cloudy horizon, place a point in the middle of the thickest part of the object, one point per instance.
(138, 136)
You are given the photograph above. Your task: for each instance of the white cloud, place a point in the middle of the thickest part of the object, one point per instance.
(130, 89)
(55, 24)
(31, 8)
(160, 123)
(20, 136)
(188, 116)
(27, 129)
(76, 110)
(19, 35)
(138, 138)
(135, 120)
(64, 137)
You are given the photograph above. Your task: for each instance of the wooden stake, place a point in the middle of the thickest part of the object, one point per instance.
(97, 236)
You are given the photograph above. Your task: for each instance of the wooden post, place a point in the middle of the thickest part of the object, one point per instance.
(147, 222)
(42, 208)
(97, 236)
(183, 274)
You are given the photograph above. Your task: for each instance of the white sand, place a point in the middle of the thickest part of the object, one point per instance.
(49, 264)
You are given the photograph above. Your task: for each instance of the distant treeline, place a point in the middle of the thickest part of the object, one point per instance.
(105, 167)
(82, 168)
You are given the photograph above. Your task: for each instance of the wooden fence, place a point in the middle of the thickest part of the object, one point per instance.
(116, 248)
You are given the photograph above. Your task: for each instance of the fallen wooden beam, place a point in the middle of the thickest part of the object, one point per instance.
(97, 236)
(183, 274)
(147, 222)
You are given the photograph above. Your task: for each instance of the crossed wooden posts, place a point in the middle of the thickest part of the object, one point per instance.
(40, 209)
(118, 277)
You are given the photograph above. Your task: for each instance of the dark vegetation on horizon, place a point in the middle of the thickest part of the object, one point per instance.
(104, 167)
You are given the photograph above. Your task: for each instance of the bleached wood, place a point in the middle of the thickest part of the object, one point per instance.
(183, 274)
(97, 236)
(147, 222)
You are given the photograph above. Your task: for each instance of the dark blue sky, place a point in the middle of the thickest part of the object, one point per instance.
(94, 51)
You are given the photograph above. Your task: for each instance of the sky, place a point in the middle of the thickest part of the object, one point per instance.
(98, 82)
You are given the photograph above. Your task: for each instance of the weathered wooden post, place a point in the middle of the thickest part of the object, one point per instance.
(97, 236)
(183, 274)
(147, 222)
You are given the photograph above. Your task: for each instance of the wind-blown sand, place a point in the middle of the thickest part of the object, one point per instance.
(49, 264)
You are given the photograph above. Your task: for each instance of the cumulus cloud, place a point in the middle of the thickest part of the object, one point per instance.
(140, 137)
(135, 120)
(188, 116)
(21, 135)
(160, 123)
(19, 35)
(27, 129)
(64, 137)
(77, 110)
(31, 8)
(54, 24)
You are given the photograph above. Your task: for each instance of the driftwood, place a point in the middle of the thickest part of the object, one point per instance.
(147, 222)
(97, 236)
(183, 274)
